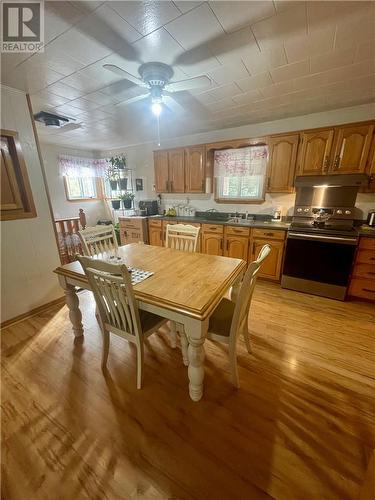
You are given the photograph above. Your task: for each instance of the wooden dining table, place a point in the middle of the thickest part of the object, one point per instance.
(185, 288)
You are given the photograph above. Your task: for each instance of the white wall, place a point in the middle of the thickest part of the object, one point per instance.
(141, 158)
(94, 209)
(28, 246)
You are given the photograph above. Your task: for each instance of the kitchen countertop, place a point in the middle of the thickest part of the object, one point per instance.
(367, 231)
(250, 223)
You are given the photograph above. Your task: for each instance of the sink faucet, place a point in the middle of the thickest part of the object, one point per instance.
(212, 210)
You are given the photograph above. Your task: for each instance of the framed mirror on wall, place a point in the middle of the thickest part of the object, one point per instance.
(16, 196)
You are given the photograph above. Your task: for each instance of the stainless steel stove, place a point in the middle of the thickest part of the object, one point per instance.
(322, 239)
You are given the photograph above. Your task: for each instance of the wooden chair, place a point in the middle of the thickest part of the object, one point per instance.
(118, 308)
(230, 319)
(98, 239)
(182, 237)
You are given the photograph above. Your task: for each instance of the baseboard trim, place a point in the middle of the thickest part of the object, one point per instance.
(33, 312)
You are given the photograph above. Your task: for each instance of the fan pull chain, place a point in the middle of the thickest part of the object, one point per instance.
(158, 121)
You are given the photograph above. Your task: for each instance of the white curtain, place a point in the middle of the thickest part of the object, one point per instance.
(77, 166)
(243, 162)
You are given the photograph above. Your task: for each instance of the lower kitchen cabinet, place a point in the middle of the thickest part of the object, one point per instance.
(362, 283)
(271, 267)
(133, 230)
(236, 242)
(155, 232)
(212, 244)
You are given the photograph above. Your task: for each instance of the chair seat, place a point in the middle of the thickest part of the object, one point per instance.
(221, 318)
(150, 322)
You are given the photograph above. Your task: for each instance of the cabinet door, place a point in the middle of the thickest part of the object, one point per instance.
(352, 146)
(271, 267)
(176, 160)
(155, 236)
(161, 171)
(315, 150)
(212, 244)
(236, 247)
(195, 170)
(282, 163)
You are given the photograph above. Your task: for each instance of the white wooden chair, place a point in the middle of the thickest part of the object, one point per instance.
(182, 237)
(230, 319)
(118, 308)
(98, 239)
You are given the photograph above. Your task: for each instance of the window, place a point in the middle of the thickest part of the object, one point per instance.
(78, 188)
(240, 174)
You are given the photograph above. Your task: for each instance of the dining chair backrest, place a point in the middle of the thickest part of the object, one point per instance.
(114, 296)
(241, 310)
(98, 239)
(182, 237)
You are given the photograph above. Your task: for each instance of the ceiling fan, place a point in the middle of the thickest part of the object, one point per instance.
(155, 78)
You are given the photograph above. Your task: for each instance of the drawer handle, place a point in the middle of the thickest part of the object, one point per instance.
(372, 258)
(213, 228)
(269, 234)
(368, 290)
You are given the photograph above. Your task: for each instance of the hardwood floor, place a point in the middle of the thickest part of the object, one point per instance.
(300, 427)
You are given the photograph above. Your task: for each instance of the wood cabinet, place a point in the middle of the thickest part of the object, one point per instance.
(176, 163)
(212, 239)
(351, 149)
(195, 169)
(236, 242)
(362, 283)
(155, 232)
(314, 152)
(133, 230)
(282, 163)
(271, 267)
(161, 170)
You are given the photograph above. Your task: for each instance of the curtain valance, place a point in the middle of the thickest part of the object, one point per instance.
(77, 166)
(243, 162)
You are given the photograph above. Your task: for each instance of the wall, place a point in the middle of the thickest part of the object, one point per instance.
(141, 158)
(28, 246)
(94, 209)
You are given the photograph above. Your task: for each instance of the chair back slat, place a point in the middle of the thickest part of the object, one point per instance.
(241, 310)
(183, 237)
(114, 295)
(98, 240)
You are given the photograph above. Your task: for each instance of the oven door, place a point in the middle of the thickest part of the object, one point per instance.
(318, 264)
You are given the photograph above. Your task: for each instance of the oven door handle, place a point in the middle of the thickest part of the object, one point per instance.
(322, 238)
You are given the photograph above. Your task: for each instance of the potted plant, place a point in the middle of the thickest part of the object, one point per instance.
(123, 181)
(116, 204)
(113, 177)
(127, 199)
(118, 162)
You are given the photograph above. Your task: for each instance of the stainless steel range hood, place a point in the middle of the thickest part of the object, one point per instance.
(353, 180)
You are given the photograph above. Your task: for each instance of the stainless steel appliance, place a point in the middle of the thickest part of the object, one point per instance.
(151, 207)
(322, 240)
(371, 218)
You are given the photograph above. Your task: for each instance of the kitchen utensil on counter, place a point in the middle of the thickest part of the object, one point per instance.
(371, 218)
(192, 212)
(151, 206)
(277, 214)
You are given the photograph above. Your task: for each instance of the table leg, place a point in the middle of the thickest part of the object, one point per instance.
(72, 302)
(195, 332)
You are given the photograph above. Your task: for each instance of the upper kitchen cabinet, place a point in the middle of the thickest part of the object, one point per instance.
(161, 169)
(314, 152)
(176, 161)
(195, 169)
(282, 163)
(351, 148)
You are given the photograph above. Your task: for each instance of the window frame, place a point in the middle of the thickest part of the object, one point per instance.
(245, 201)
(98, 186)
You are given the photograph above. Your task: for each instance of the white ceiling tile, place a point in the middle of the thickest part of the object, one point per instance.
(247, 97)
(277, 89)
(81, 82)
(100, 98)
(300, 47)
(63, 90)
(357, 28)
(51, 99)
(219, 105)
(334, 59)
(95, 114)
(231, 47)
(290, 71)
(273, 30)
(257, 61)
(158, 46)
(225, 91)
(32, 80)
(195, 28)
(67, 110)
(146, 16)
(228, 73)
(87, 6)
(233, 15)
(255, 82)
(365, 50)
(61, 62)
(282, 5)
(198, 61)
(83, 104)
(59, 17)
(185, 5)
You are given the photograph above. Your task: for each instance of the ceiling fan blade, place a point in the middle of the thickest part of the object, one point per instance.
(121, 72)
(133, 99)
(198, 82)
(173, 105)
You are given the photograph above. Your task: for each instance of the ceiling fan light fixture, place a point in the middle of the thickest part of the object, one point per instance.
(156, 108)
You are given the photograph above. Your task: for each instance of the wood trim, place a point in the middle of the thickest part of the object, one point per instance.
(27, 208)
(43, 172)
(32, 312)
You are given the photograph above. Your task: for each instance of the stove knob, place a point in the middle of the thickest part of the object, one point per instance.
(306, 210)
(299, 209)
(339, 212)
(348, 212)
